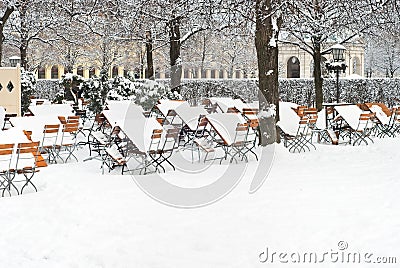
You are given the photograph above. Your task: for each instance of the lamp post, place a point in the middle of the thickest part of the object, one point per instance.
(14, 60)
(338, 64)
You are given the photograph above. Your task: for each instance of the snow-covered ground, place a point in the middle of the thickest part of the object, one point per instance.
(310, 202)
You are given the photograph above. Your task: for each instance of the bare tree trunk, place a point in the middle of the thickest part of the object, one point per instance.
(3, 21)
(175, 53)
(267, 56)
(318, 80)
(149, 56)
(203, 54)
(23, 48)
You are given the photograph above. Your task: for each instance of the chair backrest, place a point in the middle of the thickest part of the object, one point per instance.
(232, 110)
(312, 114)
(73, 119)
(170, 140)
(50, 134)
(6, 153)
(303, 126)
(62, 119)
(364, 120)
(28, 151)
(28, 134)
(300, 110)
(241, 133)
(155, 140)
(70, 127)
(250, 111)
(201, 126)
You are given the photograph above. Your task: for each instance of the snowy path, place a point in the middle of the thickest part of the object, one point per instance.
(81, 218)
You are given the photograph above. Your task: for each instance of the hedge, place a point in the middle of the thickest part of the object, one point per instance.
(300, 91)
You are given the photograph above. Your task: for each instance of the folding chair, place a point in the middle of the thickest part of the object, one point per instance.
(7, 120)
(169, 145)
(363, 130)
(115, 150)
(113, 158)
(238, 146)
(49, 141)
(301, 140)
(322, 134)
(383, 121)
(97, 137)
(149, 157)
(27, 159)
(200, 132)
(7, 173)
(252, 136)
(68, 141)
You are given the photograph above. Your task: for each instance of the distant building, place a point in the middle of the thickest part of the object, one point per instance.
(293, 63)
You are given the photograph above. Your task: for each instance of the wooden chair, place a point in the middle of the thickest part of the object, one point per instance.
(67, 141)
(169, 145)
(49, 141)
(363, 130)
(27, 162)
(7, 173)
(300, 141)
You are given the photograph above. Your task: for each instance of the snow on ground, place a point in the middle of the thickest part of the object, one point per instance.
(310, 202)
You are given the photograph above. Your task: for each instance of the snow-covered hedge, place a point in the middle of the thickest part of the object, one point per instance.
(28, 83)
(300, 91)
(145, 93)
(47, 89)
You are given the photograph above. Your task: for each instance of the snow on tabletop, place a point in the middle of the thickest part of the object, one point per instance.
(350, 113)
(380, 114)
(288, 118)
(225, 124)
(190, 115)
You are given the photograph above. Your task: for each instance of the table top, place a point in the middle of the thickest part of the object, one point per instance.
(225, 125)
(380, 114)
(35, 124)
(190, 115)
(166, 106)
(13, 135)
(350, 113)
(140, 130)
(119, 113)
(53, 109)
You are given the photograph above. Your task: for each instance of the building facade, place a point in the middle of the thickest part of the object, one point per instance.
(293, 63)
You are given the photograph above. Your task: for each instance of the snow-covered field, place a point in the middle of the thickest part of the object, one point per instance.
(310, 202)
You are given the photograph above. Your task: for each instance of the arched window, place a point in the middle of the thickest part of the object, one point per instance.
(186, 74)
(293, 68)
(237, 74)
(114, 71)
(356, 66)
(92, 72)
(126, 72)
(41, 73)
(54, 72)
(79, 70)
(203, 73)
